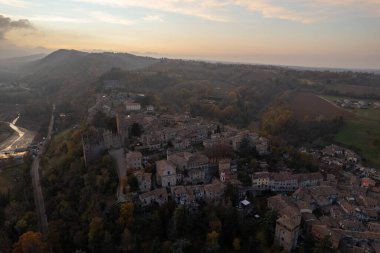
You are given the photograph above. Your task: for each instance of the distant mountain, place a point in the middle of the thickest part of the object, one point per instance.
(22, 59)
(14, 63)
(9, 50)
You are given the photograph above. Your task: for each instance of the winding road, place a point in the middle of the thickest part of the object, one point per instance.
(21, 138)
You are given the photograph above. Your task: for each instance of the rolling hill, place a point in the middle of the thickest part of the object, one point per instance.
(63, 62)
(71, 72)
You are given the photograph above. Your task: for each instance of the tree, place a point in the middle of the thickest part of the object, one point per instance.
(212, 243)
(100, 120)
(323, 245)
(236, 244)
(245, 148)
(136, 130)
(133, 183)
(376, 142)
(95, 232)
(126, 214)
(125, 240)
(180, 245)
(30, 242)
(276, 118)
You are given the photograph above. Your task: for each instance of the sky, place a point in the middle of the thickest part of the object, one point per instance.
(316, 33)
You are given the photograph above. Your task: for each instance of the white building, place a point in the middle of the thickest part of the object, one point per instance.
(131, 106)
(260, 180)
(150, 108)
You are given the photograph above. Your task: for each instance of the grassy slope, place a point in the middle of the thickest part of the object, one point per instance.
(360, 133)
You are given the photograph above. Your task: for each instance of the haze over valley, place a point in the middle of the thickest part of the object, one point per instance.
(189, 126)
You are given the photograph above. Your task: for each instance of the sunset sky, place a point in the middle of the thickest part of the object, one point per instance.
(320, 33)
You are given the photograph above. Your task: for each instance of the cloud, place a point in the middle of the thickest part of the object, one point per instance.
(112, 19)
(303, 11)
(13, 3)
(153, 18)
(60, 19)
(7, 24)
(204, 9)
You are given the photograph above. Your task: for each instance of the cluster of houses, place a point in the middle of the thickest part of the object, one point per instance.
(115, 98)
(337, 158)
(183, 132)
(354, 104)
(345, 211)
(182, 176)
(191, 172)
(197, 153)
(342, 206)
(284, 181)
(187, 195)
(190, 161)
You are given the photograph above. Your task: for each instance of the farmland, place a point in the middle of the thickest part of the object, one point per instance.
(362, 133)
(307, 106)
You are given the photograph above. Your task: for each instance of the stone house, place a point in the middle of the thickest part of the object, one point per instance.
(158, 196)
(166, 175)
(145, 180)
(133, 160)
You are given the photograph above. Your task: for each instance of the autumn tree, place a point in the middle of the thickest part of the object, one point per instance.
(30, 242)
(212, 243)
(276, 118)
(95, 232)
(236, 244)
(133, 183)
(126, 214)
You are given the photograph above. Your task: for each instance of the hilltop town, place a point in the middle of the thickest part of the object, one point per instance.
(164, 157)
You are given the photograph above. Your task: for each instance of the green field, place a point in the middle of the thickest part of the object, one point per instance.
(361, 133)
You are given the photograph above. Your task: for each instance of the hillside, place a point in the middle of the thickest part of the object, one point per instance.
(72, 62)
(71, 72)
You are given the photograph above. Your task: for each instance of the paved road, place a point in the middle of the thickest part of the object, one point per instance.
(36, 182)
(38, 197)
(21, 138)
